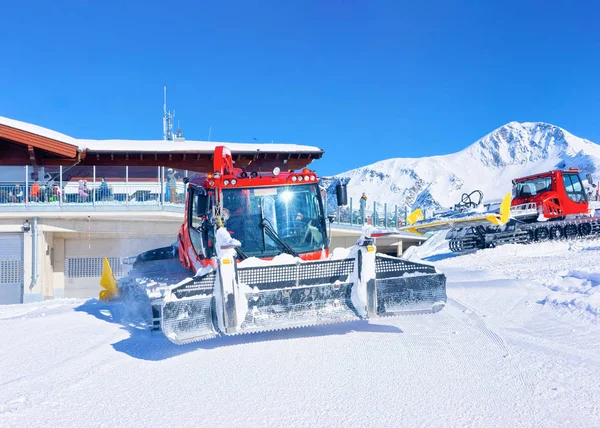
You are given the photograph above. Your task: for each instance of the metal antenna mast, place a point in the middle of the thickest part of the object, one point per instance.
(167, 120)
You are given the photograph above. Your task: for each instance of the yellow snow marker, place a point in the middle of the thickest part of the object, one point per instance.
(415, 216)
(504, 216)
(108, 282)
(505, 208)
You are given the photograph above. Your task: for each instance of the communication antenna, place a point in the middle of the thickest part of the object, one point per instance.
(167, 119)
(179, 134)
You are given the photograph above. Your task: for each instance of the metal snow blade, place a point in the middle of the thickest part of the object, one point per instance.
(455, 220)
(234, 300)
(187, 313)
(405, 287)
(259, 298)
(294, 295)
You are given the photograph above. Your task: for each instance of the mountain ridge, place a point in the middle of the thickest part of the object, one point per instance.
(489, 164)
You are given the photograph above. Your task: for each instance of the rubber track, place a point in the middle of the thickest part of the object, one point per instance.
(470, 241)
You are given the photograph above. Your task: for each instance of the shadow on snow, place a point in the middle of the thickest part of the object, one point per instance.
(442, 256)
(154, 346)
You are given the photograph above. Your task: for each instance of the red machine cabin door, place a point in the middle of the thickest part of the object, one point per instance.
(576, 202)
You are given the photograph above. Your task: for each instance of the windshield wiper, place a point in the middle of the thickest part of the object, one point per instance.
(240, 253)
(271, 233)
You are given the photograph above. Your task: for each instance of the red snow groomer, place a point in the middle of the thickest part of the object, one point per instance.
(253, 255)
(552, 195)
(551, 205)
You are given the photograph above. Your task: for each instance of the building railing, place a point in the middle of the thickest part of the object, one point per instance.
(62, 192)
(114, 194)
(379, 214)
(56, 189)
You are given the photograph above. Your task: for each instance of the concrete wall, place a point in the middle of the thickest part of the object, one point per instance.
(58, 267)
(343, 241)
(99, 246)
(60, 239)
(92, 236)
(393, 246)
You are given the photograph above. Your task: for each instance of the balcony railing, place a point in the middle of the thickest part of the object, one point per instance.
(61, 191)
(114, 194)
(379, 214)
(82, 190)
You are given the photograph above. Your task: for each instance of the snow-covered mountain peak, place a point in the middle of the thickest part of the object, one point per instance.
(489, 164)
(521, 143)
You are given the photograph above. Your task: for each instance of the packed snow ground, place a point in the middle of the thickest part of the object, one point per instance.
(517, 345)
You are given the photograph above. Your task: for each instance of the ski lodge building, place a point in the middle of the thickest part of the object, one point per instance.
(67, 203)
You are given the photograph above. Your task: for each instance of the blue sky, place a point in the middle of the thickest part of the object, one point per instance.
(363, 80)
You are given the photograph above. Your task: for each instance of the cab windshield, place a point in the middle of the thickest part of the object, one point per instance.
(293, 212)
(525, 189)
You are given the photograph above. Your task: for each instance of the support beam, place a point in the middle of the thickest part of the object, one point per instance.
(33, 162)
(399, 249)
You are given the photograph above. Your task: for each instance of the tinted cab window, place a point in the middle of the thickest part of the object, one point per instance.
(198, 210)
(574, 188)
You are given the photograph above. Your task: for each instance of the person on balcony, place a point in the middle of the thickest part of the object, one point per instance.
(34, 192)
(56, 193)
(104, 192)
(83, 191)
(363, 208)
(172, 185)
(16, 196)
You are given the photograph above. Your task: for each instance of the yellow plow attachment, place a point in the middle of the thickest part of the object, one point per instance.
(416, 224)
(415, 216)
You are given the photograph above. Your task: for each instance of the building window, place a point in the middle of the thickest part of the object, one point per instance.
(90, 267)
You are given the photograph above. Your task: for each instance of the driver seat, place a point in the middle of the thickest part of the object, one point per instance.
(526, 190)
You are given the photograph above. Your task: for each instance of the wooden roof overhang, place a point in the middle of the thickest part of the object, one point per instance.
(201, 162)
(18, 147)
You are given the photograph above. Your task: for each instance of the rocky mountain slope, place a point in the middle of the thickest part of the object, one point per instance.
(489, 164)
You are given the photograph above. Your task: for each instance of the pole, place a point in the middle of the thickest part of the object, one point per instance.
(34, 253)
(396, 216)
(159, 186)
(162, 185)
(26, 185)
(60, 186)
(164, 116)
(385, 220)
(351, 222)
(374, 217)
(127, 185)
(94, 185)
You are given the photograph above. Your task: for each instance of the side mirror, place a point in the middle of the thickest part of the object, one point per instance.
(331, 218)
(186, 180)
(341, 194)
